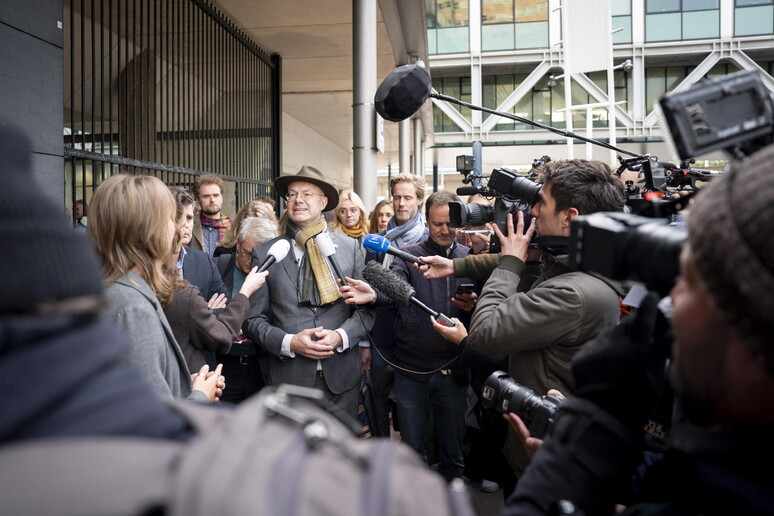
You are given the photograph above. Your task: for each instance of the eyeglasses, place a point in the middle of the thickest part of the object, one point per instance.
(244, 252)
(291, 196)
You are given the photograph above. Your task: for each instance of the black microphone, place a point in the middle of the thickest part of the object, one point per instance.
(277, 252)
(398, 290)
(468, 190)
(380, 245)
(328, 249)
(402, 93)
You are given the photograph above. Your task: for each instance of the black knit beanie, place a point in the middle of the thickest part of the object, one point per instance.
(730, 231)
(42, 259)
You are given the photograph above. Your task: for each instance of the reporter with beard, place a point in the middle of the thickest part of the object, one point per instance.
(722, 370)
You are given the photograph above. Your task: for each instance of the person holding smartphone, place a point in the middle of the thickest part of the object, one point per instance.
(429, 371)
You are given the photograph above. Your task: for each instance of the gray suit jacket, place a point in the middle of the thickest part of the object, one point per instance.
(275, 312)
(134, 308)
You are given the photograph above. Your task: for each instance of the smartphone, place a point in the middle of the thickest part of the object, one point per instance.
(465, 288)
(473, 231)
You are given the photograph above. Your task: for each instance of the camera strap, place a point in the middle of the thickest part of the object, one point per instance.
(552, 244)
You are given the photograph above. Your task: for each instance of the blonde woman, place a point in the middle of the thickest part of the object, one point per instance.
(350, 216)
(132, 226)
(254, 208)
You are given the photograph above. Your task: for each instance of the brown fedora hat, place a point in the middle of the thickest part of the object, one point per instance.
(309, 174)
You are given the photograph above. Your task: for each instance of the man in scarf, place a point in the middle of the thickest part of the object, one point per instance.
(211, 225)
(299, 317)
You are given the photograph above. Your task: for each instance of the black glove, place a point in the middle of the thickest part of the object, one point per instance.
(620, 370)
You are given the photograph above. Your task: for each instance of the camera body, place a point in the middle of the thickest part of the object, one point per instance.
(502, 393)
(622, 246)
(514, 193)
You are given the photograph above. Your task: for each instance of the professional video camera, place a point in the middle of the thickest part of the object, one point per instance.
(734, 114)
(513, 192)
(504, 394)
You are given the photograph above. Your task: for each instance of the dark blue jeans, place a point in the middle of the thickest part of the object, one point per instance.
(449, 402)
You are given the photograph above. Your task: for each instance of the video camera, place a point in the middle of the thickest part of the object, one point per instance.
(734, 114)
(502, 393)
(513, 193)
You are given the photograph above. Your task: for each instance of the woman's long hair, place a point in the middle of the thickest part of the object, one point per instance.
(252, 208)
(129, 224)
(373, 219)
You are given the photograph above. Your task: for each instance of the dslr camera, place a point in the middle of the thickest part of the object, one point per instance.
(502, 393)
(513, 193)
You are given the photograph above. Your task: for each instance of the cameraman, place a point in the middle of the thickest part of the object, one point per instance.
(540, 312)
(722, 370)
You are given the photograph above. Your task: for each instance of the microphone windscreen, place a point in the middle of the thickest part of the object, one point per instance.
(325, 244)
(402, 93)
(388, 283)
(279, 249)
(376, 243)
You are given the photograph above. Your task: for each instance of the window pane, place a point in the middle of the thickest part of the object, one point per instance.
(496, 11)
(662, 6)
(741, 3)
(754, 20)
(432, 46)
(701, 24)
(663, 27)
(654, 86)
(620, 7)
(430, 13)
(531, 10)
(699, 5)
(497, 37)
(452, 40)
(674, 75)
(488, 91)
(625, 34)
(532, 35)
(451, 13)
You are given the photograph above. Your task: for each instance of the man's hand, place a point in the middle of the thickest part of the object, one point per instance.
(329, 338)
(365, 358)
(357, 292)
(465, 301)
(454, 334)
(517, 242)
(531, 444)
(303, 344)
(439, 267)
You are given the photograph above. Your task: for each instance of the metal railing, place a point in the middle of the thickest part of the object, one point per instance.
(170, 88)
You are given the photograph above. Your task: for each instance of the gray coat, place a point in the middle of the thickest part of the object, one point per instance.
(134, 309)
(275, 312)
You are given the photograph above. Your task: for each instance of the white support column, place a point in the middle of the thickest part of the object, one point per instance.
(418, 148)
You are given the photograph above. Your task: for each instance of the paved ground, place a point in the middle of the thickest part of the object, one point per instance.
(485, 504)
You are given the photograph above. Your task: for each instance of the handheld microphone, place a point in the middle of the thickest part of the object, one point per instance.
(398, 290)
(380, 245)
(328, 249)
(277, 252)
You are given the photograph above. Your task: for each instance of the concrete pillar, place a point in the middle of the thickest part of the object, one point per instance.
(363, 90)
(404, 146)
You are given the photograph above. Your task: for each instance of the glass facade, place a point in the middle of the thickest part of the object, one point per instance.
(514, 24)
(753, 17)
(447, 26)
(621, 11)
(543, 104)
(671, 20)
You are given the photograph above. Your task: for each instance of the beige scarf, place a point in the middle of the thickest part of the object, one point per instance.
(316, 285)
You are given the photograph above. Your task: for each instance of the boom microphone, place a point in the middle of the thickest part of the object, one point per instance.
(468, 190)
(398, 290)
(277, 252)
(402, 93)
(380, 245)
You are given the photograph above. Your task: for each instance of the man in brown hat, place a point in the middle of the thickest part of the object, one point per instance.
(298, 316)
